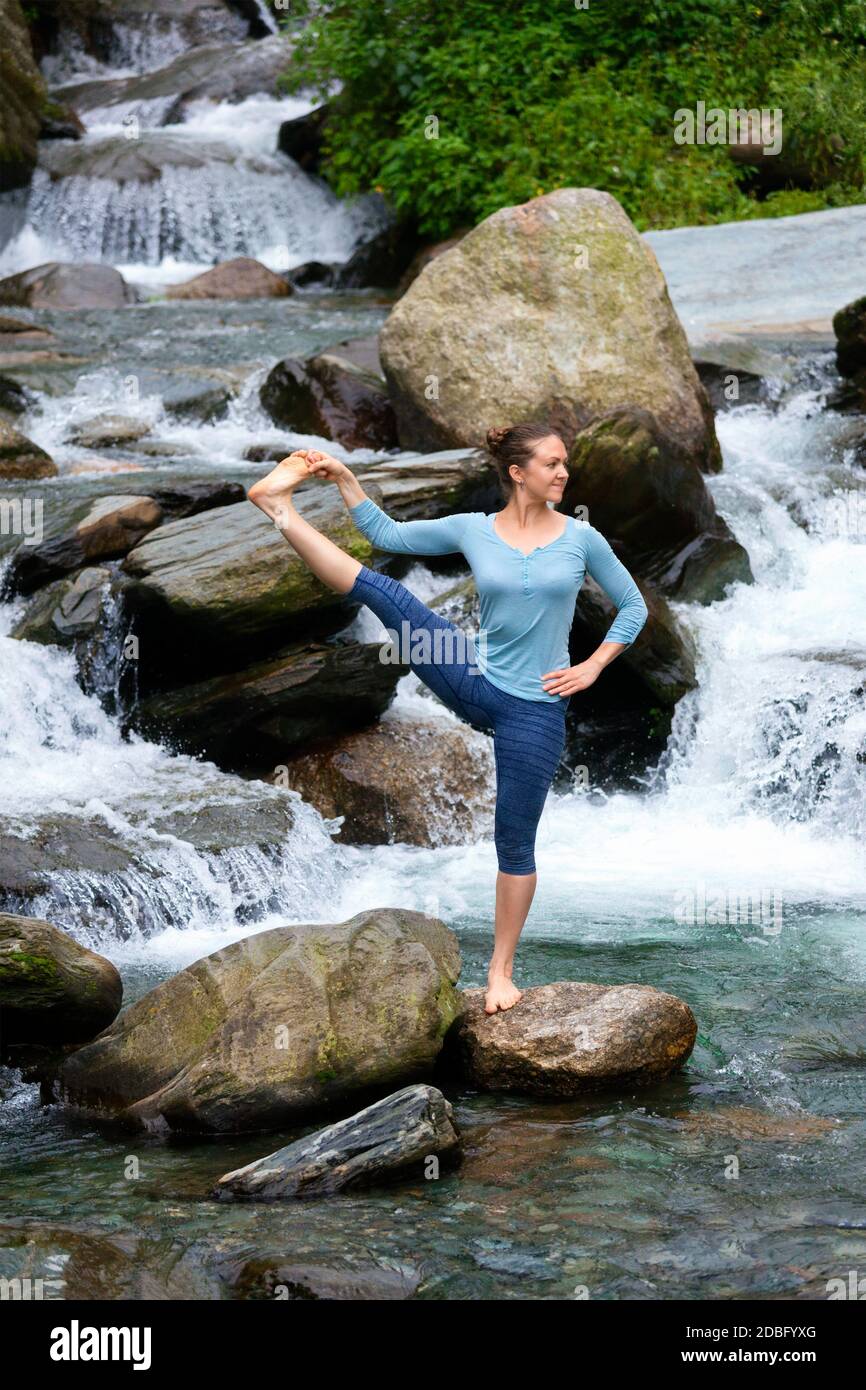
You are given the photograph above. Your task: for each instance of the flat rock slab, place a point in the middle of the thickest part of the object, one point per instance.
(396, 1135)
(568, 1038)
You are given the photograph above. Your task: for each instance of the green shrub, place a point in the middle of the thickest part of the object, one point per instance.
(529, 96)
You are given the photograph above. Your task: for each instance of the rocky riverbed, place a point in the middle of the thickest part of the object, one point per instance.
(216, 796)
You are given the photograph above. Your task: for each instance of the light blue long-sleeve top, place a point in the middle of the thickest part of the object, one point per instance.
(526, 601)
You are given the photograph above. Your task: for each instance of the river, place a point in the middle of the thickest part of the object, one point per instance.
(759, 798)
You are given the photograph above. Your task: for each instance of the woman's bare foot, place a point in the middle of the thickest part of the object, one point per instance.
(273, 493)
(502, 993)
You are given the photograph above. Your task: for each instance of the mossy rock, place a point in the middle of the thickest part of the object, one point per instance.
(282, 1025)
(52, 990)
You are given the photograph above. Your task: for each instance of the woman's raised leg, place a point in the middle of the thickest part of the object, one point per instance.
(273, 495)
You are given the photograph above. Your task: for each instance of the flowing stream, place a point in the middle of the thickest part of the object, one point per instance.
(733, 875)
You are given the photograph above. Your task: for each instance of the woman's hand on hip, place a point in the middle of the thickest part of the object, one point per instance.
(573, 678)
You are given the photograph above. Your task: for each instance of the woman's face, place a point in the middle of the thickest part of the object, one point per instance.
(546, 474)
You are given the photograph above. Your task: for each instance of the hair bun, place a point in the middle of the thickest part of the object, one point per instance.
(496, 437)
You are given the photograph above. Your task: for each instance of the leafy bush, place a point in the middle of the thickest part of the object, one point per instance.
(453, 108)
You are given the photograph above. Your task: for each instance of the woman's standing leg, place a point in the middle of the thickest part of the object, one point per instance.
(528, 742)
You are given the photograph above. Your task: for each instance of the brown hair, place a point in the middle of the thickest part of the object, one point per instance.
(515, 444)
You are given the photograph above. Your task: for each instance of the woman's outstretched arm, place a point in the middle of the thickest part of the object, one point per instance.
(440, 537)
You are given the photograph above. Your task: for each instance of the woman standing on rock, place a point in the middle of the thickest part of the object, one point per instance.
(528, 562)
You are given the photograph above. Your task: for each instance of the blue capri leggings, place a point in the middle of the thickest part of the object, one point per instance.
(528, 735)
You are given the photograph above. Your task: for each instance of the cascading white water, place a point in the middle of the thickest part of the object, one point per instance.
(65, 769)
(230, 203)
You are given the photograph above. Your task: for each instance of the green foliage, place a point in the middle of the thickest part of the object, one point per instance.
(531, 95)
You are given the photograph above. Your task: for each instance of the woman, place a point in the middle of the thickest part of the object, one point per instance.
(529, 562)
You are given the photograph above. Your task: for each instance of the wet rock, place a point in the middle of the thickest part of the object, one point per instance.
(23, 99)
(241, 278)
(66, 610)
(410, 782)
(270, 709)
(217, 827)
(569, 1038)
(276, 1027)
(275, 1278)
(331, 397)
(15, 398)
(393, 1137)
(211, 70)
(60, 844)
(727, 387)
(554, 309)
(301, 138)
(104, 430)
(653, 504)
(51, 989)
(109, 528)
(59, 122)
(203, 397)
(208, 589)
(662, 656)
(381, 262)
(20, 457)
(317, 273)
(188, 499)
(57, 285)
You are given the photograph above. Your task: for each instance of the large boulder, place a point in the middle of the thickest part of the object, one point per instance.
(23, 98)
(568, 1038)
(417, 782)
(554, 309)
(20, 457)
(277, 1027)
(394, 1137)
(109, 528)
(52, 991)
(333, 398)
(225, 585)
(265, 712)
(644, 496)
(57, 285)
(241, 278)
